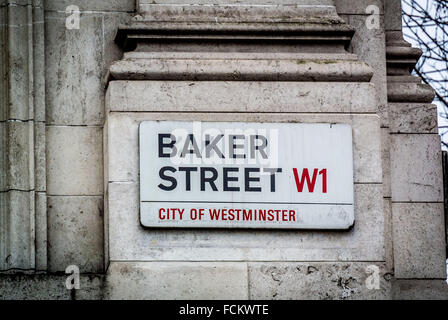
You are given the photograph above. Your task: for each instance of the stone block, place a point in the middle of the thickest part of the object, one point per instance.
(393, 15)
(90, 287)
(411, 92)
(123, 138)
(388, 234)
(368, 45)
(3, 57)
(241, 66)
(241, 96)
(19, 77)
(318, 281)
(87, 5)
(33, 287)
(416, 168)
(74, 160)
(43, 286)
(266, 11)
(357, 7)
(39, 63)
(40, 164)
(385, 161)
(239, 2)
(4, 165)
(76, 65)
(419, 240)
(17, 214)
(111, 52)
(75, 233)
(413, 118)
(177, 281)
(41, 231)
(20, 149)
(420, 290)
(128, 240)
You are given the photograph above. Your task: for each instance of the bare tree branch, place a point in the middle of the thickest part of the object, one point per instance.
(425, 24)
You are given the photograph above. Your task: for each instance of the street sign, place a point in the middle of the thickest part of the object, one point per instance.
(246, 175)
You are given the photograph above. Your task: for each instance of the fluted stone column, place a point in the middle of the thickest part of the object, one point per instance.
(23, 220)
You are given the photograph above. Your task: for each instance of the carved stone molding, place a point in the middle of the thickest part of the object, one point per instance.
(401, 59)
(244, 42)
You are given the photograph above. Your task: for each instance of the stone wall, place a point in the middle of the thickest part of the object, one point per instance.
(71, 103)
(77, 62)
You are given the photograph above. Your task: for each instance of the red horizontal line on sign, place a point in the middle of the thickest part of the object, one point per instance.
(326, 203)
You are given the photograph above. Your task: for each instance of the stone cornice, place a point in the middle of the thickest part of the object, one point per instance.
(129, 36)
(238, 43)
(401, 59)
(401, 56)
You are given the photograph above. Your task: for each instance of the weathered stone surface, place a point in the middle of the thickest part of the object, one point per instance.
(231, 69)
(357, 7)
(368, 45)
(4, 211)
(91, 287)
(34, 3)
(419, 240)
(41, 230)
(40, 176)
(42, 286)
(19, 74)
(75, 233)
(388, 234)
(22, 93)
(413, 118)
(74, 160)
(177, 281)
(73, 73)
(240, 2)
(393, 15)
(128, 240)
(33, 287)
(88, 5)
(385, 161)
(411, 92)
(3, 60)
(416, 168)
(320, 281)
(164, 96)
(39, 67)
(75, 97)
(4, 165)
(420, 290)
(17, 213)
(123, 138)
(20, 149)
(76, 65)
(319, 11)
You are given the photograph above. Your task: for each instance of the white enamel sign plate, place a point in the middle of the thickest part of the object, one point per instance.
(246, 175)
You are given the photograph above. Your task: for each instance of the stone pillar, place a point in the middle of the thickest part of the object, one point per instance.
(245, 61)
(23, 220)
(415, 170)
